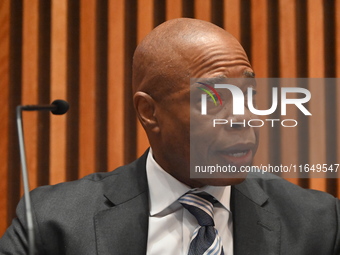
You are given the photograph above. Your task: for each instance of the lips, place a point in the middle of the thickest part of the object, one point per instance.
(239, 154)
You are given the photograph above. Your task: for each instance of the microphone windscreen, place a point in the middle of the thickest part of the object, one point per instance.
(61, 107)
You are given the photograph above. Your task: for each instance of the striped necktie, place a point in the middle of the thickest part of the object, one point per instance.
(205, 239)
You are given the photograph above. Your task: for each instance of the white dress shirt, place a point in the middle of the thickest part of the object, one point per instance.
(170, 224)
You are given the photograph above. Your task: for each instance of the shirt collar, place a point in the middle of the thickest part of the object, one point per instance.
(164, 189)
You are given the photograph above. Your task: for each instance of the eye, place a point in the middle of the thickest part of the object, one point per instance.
(254, 91)
(213, 98)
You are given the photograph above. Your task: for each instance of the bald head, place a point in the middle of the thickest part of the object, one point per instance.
(163, 64)
(164, 58)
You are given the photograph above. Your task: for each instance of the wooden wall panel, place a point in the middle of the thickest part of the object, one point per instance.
(232, 17)
(173, 9)
(87, 89)
(203, 10)
(4, 110)
(14, 86)
(288, 69)
(316, 68)
(145, 18)
(81, 51)
(58, 128)
(116, 84)
(30, 85)
(259, 57)
(287, 13)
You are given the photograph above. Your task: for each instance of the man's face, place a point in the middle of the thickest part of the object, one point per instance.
(223, 145)
(219, 138)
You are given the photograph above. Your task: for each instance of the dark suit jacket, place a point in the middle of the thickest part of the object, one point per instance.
(107, 213)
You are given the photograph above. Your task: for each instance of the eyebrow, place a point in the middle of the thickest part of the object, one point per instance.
(214, 80)
(249, 74)
(222, 78)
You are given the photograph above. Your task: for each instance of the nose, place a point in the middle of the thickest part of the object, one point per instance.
(236, 124)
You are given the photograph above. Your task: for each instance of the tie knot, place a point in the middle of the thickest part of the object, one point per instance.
(200, 207)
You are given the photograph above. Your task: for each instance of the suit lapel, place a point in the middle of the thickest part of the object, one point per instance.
(123, 227)
(256, 229)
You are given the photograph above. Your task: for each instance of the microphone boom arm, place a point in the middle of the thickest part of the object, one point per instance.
(27, 199)
(57, 107)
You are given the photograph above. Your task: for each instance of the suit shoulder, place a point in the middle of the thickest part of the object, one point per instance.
(281, 189)
(87, 190)
(82, 184)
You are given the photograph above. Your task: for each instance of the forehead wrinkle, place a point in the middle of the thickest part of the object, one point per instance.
(219, 49)
(218, 67)
(217, 58)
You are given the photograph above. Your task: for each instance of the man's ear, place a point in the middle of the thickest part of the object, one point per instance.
(146, 111)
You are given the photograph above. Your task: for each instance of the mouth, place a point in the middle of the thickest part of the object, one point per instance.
(239, 158)
(239, 154)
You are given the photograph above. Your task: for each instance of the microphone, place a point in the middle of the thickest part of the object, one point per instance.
(57, 107)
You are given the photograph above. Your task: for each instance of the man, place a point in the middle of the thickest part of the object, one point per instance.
(140, 208)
